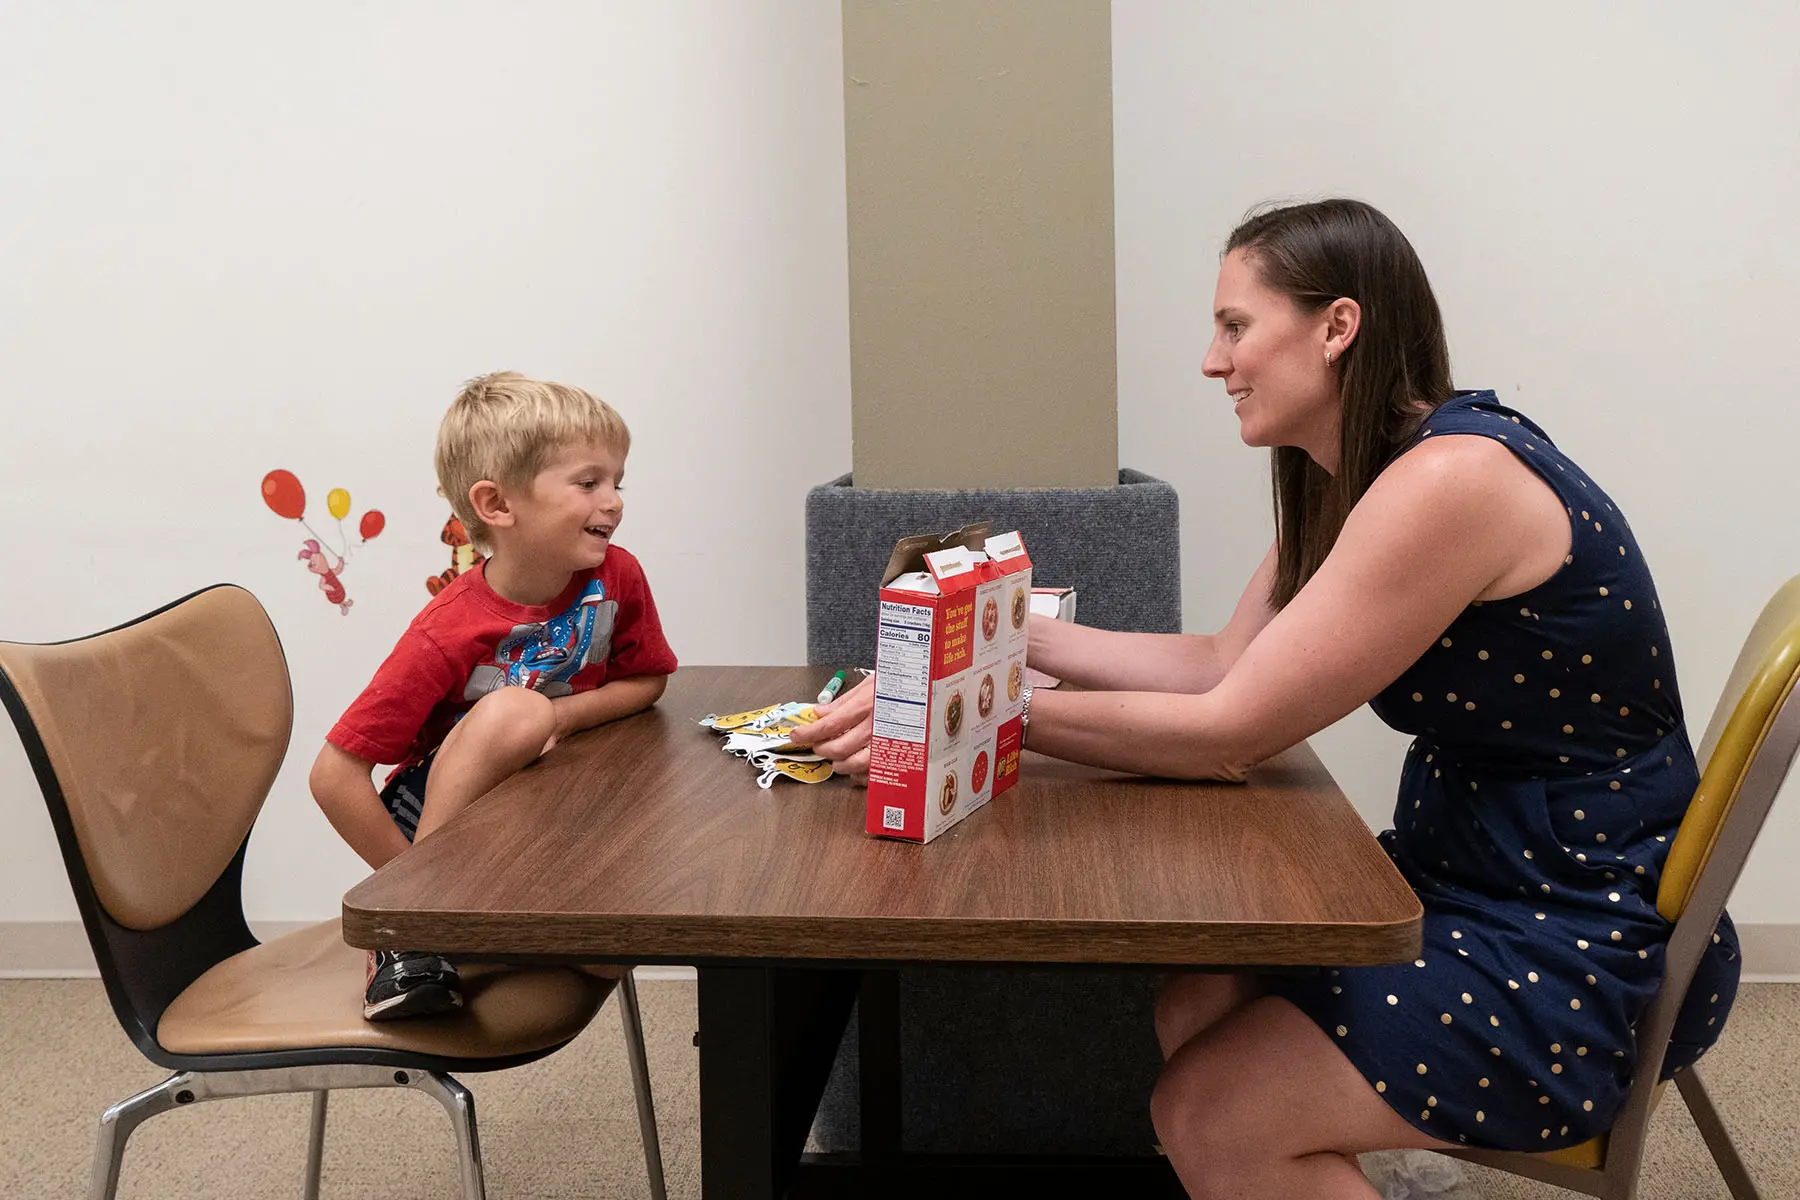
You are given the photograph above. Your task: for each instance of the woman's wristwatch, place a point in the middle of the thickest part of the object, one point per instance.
(1025, 714)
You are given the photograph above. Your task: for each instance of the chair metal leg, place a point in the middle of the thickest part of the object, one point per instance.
(460, 1104)
(640, 1083)
(1718, 1140)
(117, 1122)
(191, 1087)
(315, 1145)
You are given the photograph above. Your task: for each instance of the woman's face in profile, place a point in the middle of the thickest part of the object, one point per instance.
(1271, 357)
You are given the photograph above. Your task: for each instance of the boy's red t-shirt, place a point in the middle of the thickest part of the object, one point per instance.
(470, 641)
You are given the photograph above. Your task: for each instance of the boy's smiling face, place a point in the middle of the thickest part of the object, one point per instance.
(568, 515)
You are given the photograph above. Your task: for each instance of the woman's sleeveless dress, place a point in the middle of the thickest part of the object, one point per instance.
(1549, 771)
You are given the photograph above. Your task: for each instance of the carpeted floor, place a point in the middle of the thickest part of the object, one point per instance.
(567, 1127)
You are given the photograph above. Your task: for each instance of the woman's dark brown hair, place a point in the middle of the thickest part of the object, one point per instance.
(1398, 366)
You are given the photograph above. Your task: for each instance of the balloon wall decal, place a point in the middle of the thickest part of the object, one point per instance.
(283, 492)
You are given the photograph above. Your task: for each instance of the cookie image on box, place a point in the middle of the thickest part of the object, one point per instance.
(990, 619)
(953, 715)
(947, 797)
(1021, 608)
(1015, 680)
(984, 696)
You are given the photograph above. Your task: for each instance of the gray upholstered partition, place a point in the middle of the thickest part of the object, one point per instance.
(996, 1061)
(1118, 547)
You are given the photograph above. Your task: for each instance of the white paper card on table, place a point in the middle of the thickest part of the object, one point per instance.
(1058, 604)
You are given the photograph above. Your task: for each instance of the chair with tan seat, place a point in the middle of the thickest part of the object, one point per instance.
(1745, 755)
(155, 745)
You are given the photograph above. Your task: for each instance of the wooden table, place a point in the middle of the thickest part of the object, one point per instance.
(642, 842)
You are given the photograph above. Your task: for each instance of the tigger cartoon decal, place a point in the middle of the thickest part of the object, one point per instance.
(463, 556)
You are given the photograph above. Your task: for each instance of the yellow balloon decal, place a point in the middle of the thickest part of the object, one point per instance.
(337, 502)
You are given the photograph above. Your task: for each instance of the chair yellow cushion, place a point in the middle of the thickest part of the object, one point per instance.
(304, 991)
(1738, 742)
(1590, 1154)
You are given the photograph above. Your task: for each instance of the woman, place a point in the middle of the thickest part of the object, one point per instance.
(1439, 559)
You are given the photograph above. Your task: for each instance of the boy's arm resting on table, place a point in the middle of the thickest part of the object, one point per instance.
(342, 787)
(1101, 660)
(1435, 530)
(611, 700)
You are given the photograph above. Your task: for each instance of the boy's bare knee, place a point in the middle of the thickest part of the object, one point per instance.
(516, 718)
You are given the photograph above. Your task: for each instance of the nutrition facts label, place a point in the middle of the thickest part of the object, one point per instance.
(902, 671)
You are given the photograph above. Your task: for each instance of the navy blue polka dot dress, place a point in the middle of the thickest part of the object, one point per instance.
(1549, 772)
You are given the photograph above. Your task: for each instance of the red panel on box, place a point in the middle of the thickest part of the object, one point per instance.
(896, 774)
(895, 763)
(1007, 740)
(953, 641)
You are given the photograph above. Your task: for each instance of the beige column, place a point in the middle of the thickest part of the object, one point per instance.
(978, 142)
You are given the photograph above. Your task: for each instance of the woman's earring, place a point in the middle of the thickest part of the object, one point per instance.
(1328, 358)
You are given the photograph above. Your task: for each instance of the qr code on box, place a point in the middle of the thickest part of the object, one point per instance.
(893, 817)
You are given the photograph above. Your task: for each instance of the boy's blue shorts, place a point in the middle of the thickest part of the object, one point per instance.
(405, 796)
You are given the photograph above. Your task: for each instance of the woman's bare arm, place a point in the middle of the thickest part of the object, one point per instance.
(1089, 658)
(1102, 660)
(1454, 521)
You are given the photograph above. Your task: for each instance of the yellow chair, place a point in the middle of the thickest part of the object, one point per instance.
(1745, 754)
(155, 745)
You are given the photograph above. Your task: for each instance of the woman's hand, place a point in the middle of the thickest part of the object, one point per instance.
(841, 734)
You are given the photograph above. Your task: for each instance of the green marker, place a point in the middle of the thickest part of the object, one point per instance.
(829, 692)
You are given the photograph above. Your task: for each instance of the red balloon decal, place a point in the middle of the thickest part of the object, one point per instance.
(282, 492)
(372, 523)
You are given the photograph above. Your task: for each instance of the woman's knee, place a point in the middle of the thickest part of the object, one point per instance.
(1187, 1004)
(515, 719)
(1196, 1125)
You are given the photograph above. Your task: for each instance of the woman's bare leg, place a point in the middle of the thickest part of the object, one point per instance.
(1261, 1104)
(1187, 1004)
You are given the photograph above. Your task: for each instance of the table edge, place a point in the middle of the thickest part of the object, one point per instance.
(627, 937)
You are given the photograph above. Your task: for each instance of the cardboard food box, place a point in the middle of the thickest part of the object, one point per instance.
(949, 680)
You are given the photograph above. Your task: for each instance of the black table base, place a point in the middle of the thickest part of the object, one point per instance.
(768, 1037)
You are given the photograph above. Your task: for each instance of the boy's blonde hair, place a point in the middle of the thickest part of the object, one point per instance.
(505, 427)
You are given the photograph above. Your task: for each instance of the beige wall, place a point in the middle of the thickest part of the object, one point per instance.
(979, 169)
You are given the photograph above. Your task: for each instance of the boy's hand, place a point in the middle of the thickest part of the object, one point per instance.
(340, 783)
(843, 730)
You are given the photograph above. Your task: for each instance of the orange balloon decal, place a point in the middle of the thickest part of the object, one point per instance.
(283, 494)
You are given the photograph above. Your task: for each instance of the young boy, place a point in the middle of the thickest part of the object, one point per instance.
(554, 633)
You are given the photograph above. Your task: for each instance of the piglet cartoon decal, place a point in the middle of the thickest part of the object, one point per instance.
(319, 563)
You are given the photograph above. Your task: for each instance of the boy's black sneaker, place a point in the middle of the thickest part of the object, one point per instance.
(410, 983)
